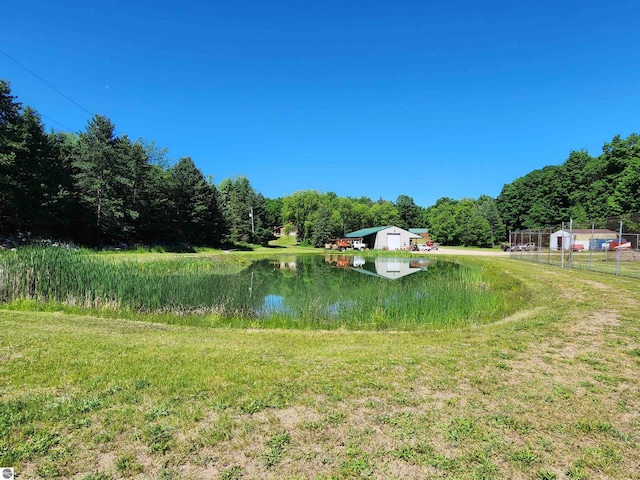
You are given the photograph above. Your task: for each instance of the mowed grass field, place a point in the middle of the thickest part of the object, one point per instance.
(551, 392)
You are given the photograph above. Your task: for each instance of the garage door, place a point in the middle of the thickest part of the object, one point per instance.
(393, 241)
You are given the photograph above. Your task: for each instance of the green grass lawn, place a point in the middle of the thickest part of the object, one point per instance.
(551, 392)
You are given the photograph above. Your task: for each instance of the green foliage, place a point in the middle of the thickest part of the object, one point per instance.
(247, 215)
(95, 187)
(194, 202)
(273, 211)
(298, 208)
(384, 212)
(100, 175)
(465, 222)
(408, 212)
(33, 183)
(488, 210)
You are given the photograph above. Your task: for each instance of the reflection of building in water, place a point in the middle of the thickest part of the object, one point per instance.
(391, 268)
(286, 265)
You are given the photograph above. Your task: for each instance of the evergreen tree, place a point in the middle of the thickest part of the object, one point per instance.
(10, 143)
(102, 180)
(31, 179)
(195, 215)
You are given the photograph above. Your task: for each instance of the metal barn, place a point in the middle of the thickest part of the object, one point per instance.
(385, 238)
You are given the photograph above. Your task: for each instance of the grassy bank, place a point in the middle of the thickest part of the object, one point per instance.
(551, 392)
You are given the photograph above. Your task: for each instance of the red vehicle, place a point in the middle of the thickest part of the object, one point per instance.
(344, 244)
(426, 247)
(615, 245)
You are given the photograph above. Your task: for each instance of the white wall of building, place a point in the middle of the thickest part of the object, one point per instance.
(394, 238)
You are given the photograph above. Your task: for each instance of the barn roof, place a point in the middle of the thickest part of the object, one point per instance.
(372, 230)
(596, 230)
(366, 231)
(588, 231)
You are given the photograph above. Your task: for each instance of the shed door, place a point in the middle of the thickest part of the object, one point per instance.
(393, 241)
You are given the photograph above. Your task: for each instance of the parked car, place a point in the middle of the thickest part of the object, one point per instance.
(427, 247)
(523, 247)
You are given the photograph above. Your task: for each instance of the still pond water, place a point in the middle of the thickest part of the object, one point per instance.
(334, 291)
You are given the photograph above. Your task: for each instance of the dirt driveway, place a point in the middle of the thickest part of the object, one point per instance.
(464, 251)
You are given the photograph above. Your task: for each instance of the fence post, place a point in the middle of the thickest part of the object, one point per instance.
(562, 248)
(619, 250)
(539, 244)
(571, 243)
(591, 244)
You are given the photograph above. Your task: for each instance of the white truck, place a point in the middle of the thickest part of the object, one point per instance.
(344, 244)
(359, 245)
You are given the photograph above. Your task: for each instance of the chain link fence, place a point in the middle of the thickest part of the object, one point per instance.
(611, 247)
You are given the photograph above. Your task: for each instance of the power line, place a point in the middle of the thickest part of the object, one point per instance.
(55, 121)
(46, 83)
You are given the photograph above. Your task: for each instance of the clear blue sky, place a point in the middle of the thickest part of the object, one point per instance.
(376, 98)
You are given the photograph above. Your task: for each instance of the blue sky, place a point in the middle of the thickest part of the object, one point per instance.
(378, 98)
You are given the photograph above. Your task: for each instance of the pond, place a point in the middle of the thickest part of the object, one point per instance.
(365, 292)
(303, 291)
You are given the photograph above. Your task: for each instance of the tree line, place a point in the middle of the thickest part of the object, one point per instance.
(96, 188)
(589, 190)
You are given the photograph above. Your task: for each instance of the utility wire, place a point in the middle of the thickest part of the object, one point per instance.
(46, 83)
(55, 121)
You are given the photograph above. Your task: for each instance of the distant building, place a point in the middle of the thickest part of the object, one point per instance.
(423, 232)
(386, 238)
(582, 239)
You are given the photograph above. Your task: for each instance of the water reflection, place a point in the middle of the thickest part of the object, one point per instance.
(327, 286)
(329, 290)
(383, 267)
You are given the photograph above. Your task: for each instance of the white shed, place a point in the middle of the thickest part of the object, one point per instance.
(582, 239)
